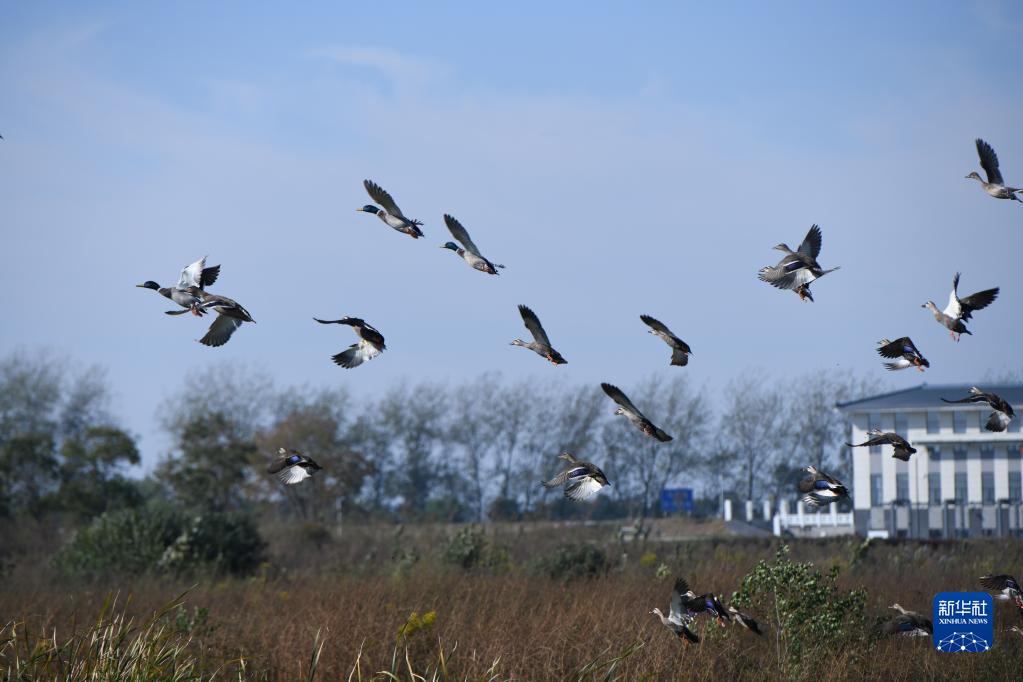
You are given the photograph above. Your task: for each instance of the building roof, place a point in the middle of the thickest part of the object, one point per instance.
(924, 396)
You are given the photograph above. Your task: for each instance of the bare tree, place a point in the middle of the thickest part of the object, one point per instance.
(754, 427)
(476, 422)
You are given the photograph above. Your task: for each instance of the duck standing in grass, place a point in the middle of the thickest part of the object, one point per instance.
(541, 345)
(187, 292)
(678, 620)
(632, 413)
(908, 624)
(291, 466)
(581, 479)
(370, 345)
(904, 354)
(680, 350)
(995, 185)
(959, 310)
(797, 269)
(470, 254)
(1005, 588)
(903, 450)
(820, 489)
(230, 315)
(390, 213)
(1003, 413)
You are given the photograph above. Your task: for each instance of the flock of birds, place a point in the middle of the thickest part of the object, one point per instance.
(796, 271)
(686, 606)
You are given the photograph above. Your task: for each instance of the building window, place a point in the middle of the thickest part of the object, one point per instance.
(961, 490)
(875, 490)
(934, 487)
(902, 487)
(901, 425)
(987, 451)
(959, 422)
(933, 422)
(959, 452)
(874, 422)
(987, 487)
(1014, 424)
(1015, 487)
(934, 452)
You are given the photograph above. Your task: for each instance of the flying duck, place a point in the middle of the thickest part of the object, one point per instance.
(903, 450)
(230, 315)
(292, 467)
(903, 352)
(995, 185)
(705, 603)
(371, 342)
(797, 269)
(908, 624)
(1006, 588)
(959, 310)
(680, 350)
(194, 276)
(470, 254)
(677, 620)
(541, 345)
(1002, 415)
(819, 489)
(582, 478)
(745, 620)
(630, 411)
(390, 213)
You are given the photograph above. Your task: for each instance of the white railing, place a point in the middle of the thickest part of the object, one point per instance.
(783, 519)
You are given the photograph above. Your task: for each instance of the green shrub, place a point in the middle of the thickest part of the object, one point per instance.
(573, 561)
(805, 610)
(158, 538)
(466, 548)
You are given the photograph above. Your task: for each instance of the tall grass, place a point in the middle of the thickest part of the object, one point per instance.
(347, 614)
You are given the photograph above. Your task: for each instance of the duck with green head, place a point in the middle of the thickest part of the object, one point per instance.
(390, 213)
(188, 292)
(470, 254)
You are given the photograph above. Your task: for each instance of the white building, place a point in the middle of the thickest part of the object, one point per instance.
(963, 481)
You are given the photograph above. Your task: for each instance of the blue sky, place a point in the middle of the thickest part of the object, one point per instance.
(618, 159)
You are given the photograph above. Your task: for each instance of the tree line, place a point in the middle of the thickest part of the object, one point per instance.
(420, 451)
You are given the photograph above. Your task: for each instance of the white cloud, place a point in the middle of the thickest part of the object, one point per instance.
(402, 69)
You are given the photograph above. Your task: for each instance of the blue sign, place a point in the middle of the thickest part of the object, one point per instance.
(674, 500)
(964, 622)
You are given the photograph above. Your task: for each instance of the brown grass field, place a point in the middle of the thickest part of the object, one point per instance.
(348, 597)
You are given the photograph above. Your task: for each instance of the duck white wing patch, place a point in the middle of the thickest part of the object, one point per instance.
(191, 276)
(581, 488)
(292, 475)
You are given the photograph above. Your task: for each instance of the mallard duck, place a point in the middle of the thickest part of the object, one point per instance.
(470, 254)
(371, 342)
(680, 350)
(390, 213)
(582, 478)
(194, 276)
(706, 603)
(904, 352)
(541, 345)
(230, 315)
(902, 449)
(995, 185)
(908, 624)
(745, 620)
(630, 412)
(1002, 415)
(292, 467)
(797, 269)
(820, 489)
(1005, 588)
(677, 620)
